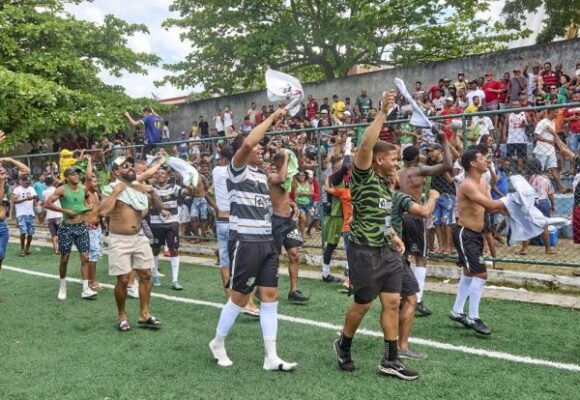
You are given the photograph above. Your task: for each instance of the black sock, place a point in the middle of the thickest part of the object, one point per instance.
(391, 353)
(345, 342)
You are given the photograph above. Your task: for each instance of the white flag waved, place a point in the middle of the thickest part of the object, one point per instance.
(418, 119)
(284, 87)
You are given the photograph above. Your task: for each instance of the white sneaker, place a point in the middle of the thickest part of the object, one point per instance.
(62, 293)
(133, 291)
(88, 293)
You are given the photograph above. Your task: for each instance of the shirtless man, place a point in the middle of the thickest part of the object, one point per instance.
(411, 182)
(73, 229)
(125, 203)
(93, 222)
(472, 202)
(199, 207)
(284, 229)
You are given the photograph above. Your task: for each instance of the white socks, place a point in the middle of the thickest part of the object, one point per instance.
(462, 293)
(228, 316)
(175, 268)
(420, 274)
(85, 284)
(475, 292)
(325, 270)
(269, 324)
(155, 267)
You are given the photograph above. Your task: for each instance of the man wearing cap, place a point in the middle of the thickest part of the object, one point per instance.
(411, 182)
(25, 198)
(492, 90)
(153, 124)
(73, 228)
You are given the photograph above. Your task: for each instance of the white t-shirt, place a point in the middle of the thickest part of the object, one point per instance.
(228, 120)
(438, 104)
(543, 130)
(485, 125)
(165, 132)
(49, 213)
(517, 128)
(219, 123)
(476, 93)
(222, 197)
(27, 207)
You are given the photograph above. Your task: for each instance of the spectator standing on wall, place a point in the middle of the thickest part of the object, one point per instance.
(311, 107)
(532, 79)
(152, 123)
(460, 83)
(338, 107)
(517, 85)
(325, 106)
(363, 103)
(252, 113)
(549, 76)
(218, 123)
(165, 135)
(228, 118)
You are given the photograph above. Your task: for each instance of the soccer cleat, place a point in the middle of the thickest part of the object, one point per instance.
(176, 286)
(88, 293)
(277, 364)
(477, 325)
(422, 310)
(411, 355)
(297, 297)
(343, 358)
(133, 291)
(219, 354)
(331, 279)
(156, 281)
(398, 369)
(458, 317)
(62, 292)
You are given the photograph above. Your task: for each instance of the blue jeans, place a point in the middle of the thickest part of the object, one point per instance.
(574, 141)
(443, 213)
(95, 251)
(4, 235)
(26, 224)
(223, 233)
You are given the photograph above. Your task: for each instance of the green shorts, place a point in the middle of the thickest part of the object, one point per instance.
(332, 229)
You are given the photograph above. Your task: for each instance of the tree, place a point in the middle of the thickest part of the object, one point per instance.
(559, 16)
(234, 40)
(49, 65)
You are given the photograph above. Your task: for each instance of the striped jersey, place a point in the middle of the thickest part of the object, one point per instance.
(169, 195)
(250, 205)
(372, 201)
(401, 205)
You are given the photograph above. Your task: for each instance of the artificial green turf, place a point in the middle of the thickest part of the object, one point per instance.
(61, 350)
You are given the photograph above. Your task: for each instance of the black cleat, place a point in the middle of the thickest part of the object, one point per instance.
(331, 279)
(477, 325)
(458, 318)
(297, 297)
(398, 369)
(343, 358)
(422, 310)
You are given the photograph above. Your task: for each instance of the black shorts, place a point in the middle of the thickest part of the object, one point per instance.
(165, 234)
(488, 223)
(285, 233)
(469, 245)
(252, 264)
(414, 235)
(373, 270)
(73, 233)
(53, 224)
(520, 150)
(410, 286)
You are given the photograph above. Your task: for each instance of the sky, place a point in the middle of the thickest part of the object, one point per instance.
(164, 43)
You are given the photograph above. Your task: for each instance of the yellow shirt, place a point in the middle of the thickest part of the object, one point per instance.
(471, 108)
(338, 109)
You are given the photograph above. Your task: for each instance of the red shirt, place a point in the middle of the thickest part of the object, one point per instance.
(491, 96)
(550, 79)
(448, 121)
(574, 125)
(503, 95)
(316, 187)
(311, 109)
(433, 89)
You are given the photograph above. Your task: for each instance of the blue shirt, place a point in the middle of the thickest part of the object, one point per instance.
(502, 184)
(39, 187)
(153, 125)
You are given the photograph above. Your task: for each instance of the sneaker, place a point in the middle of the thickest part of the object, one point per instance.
(422, 310)
(133, 291)
(412, 355)
(398, 369)
(331, 279)
(159, 274)
(297, 297)
(477, 325)
(458, 317)
(176, 286)
(343, 357)
(88, 293)
(156, 281)
(61, 293)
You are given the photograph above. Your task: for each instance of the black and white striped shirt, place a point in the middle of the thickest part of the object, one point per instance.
(250, 205)
(169, 195)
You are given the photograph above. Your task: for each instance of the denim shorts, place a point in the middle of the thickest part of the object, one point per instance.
(26, 224)
(223, 233)
(95, 250)
(4, 235)
(199, 209)
(443, 213)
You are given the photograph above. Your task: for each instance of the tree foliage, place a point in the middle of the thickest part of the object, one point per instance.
(49, 66)
(559, 16)
(233, 40)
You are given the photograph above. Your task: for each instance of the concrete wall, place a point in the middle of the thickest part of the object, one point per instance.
(567, 52)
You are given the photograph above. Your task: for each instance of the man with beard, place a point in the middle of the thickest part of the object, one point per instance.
(73, 228)
(125, 203)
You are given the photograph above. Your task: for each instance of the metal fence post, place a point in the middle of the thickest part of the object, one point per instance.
(321, 190)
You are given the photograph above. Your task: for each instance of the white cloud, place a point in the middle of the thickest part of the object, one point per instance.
(160, 41)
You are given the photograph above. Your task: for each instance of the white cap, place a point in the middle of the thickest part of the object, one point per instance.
(347, 113)
(325, 111)
(449, 99)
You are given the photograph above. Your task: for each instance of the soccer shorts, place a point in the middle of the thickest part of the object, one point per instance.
(469, 245)
(414, 235)
(165, 234)
(285, 233)
(409, 285)
(332, 229)
(253, 264)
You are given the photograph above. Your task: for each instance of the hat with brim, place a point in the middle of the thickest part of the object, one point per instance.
(71, 170)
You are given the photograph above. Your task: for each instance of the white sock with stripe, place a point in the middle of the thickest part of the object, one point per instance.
(462, 293)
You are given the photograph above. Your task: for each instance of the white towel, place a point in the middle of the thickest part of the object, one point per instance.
(418, 118)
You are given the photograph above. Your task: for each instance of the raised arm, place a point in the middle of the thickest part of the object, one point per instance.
(446, 165)
(150, 171)
(23, 170)
(131, 120)
(89, 176)
(564, 149)
(280, 176)
(364, 155)
(254, 137)
(425, 210)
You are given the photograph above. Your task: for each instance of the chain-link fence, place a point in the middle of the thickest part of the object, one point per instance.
(536, 142)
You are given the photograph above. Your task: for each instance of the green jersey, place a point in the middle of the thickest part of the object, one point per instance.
(372, 201)
(401, 204)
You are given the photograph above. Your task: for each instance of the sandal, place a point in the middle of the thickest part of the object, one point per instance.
(123, 326)
(250, 312)
(22, 254)
(96, 287)
(151, 323)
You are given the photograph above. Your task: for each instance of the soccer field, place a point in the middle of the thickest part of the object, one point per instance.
(71, 349)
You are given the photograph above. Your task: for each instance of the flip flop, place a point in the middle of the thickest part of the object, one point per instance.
(123, 326)
(151, 323)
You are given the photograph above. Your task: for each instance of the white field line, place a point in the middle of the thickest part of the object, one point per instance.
(325, 325)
